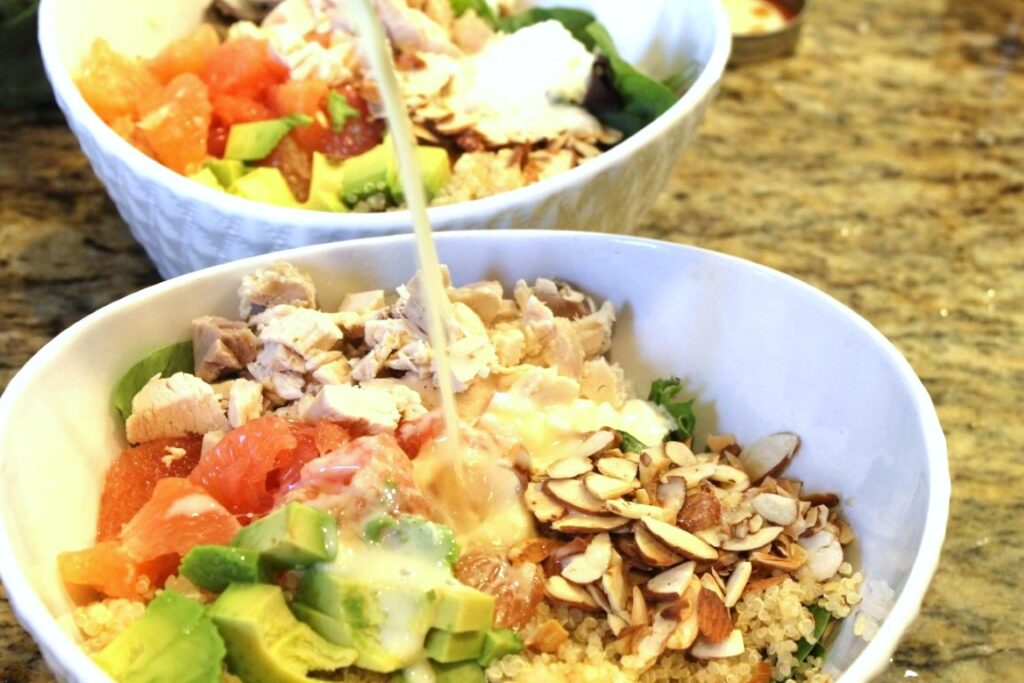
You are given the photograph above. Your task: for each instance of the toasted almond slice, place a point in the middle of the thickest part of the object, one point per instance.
(548, 637)
(616, 623)
(620, 468)
(731, 478)
(762, 583)
(578, 523)
(638, 608)
(679, 453)
(713, 616)
(607, 488)
(653, 643)
(763, 537)
(671, 583)
(561, 590)
(719, 442)
(708, 582)
(545, 508)
(730, 646)
(789, 487)
(679, 541)
(693, 474)
(600, 598)
(824, 554)
(625, 508)
(672, 496)
(614, 584)
(597, 442)
(713, 537)
(534, 550)
(768, 455)
(769, 561)
(592, 563)
(829, 500)
(653, 464)
(846, 534)
(567, 468)
(652, 551)
(736, 583)
(573, 494)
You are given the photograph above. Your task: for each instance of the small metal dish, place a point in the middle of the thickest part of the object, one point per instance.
(756, 47)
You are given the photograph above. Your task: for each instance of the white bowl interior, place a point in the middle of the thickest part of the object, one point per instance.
(762, 351)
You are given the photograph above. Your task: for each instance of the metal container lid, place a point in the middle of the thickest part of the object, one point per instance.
(761, 45)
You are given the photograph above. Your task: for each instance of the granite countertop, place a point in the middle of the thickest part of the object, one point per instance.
(883, 164)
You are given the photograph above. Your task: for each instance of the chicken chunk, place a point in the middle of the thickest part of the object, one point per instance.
(335, 372)
(221, 346)
(302, 330)
(595, 330)
(604, 382)
(245, 402)
(509, 344)
(375, 408)
(279, 283)
(174, 406)
(356, 309)
(563, 300)
(484, 298)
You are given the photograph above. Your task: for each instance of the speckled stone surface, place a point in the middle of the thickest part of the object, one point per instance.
(884, 164)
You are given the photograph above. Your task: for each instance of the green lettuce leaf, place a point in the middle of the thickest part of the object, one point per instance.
(630, 444)
(164, 361)
(663, 393)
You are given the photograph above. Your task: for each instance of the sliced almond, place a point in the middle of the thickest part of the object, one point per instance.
(534, 550)
(615, 586)
(617, 624)
(763, 537)
(829, 500)
(719, 442)
(713, 617)
(689, 626)
(591, 565)
(652, 465)
(768, 455)
(624, 508)
(708, 582)
(573, 494)
(561, 590)
(577, 523)
(652, 550)
(548, 637)
(762, 673)
(693, 474)
(619, 468)
(702, 510)
(846, 534)
(680, 541)
(560, 557)
(736, 583)
(769, 561)
(824, 554)
(545, 508)
(679, 453)
(672, 496)
(762, 583)
(671, 583)
(567, 468)
(607, 488)
(600, 598)
(638, 608)
(755, 523)
(730, 646)
(790, 487)
(653, 643)
(731, 478)
(597, 442)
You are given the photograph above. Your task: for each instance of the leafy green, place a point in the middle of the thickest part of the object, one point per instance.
(663, 393)
(483, 10)
(164, 361)
(296, 120)
(340, 111)
(630, 444)
(575, 21)
(805, 647)
(643, 98)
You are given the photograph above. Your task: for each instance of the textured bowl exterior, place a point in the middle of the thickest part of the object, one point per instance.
(868, 428)
(185, 226)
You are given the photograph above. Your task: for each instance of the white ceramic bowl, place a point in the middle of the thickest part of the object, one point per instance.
(185, 226)
(762, 351)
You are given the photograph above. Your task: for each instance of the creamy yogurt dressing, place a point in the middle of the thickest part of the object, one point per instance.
(749, 17)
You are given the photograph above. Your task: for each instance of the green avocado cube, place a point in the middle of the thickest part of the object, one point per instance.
(206, 177)
(172, 641)
(420, 672)
(257, 139)
(325, 201)
(227, 171)
(461, 609)
(215, 567)
(498, 643)
(447, 647)
(265, 643)
(414, 535)
(459, 672)
(296, 535)
(265, 185)
(435, 169)
(366, 174)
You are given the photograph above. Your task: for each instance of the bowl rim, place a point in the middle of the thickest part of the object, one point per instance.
(34, 617)
(76, 109)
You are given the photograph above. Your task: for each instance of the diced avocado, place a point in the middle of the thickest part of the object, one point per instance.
(461, 609)
(415, 536)
(447, 647)
(498, 643)
(325, 185)
(435, 168)
(337, 631)
(255, 140)
(459, 672)
(367, 173)
(420, 672)
(265, 643)
(227, 171)
(387, 624)
(206, 177)
(215, 567)
(172, 641)
(265, 185)
(324, 201)
(293, 536)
